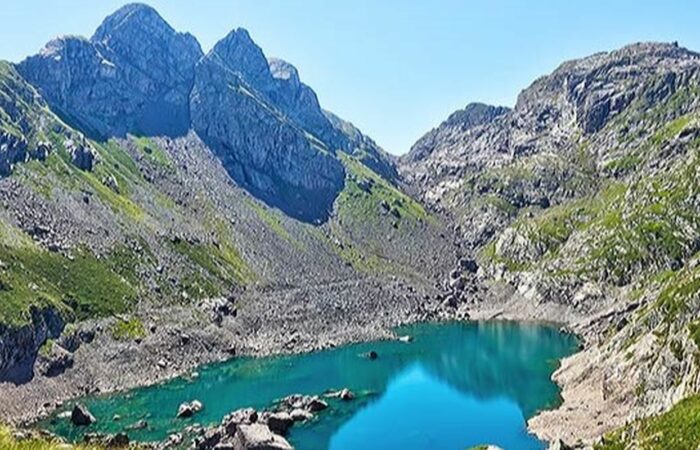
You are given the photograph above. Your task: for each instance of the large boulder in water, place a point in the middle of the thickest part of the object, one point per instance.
(189, 409)
(80, 416)
(280, 422)
(308, 403)
(258, 437)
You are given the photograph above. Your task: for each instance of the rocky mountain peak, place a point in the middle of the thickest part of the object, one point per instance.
(138, 34)
(130, 17)
(475, 114)
(240, 54)
(462, 121)
(133, 76)
(594, 89)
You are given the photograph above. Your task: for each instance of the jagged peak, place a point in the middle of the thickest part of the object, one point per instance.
(235, 37)
(239, 53)
(132, 24)
(130, 15)
(60, 44)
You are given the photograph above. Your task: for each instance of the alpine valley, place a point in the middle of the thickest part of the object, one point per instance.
(162, 208)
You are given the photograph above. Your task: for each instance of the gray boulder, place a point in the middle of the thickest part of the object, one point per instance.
(279, 422)
(188, 409)
(258, 437)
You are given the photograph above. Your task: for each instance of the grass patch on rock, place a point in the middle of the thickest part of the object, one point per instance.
(81, 285)
(126, 329)
(677, 429)
(365, 192)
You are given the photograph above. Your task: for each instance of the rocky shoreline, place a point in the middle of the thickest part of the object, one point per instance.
(140, 362)
(180, 339)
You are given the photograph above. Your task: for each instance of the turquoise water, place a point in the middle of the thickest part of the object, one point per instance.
(455, 385)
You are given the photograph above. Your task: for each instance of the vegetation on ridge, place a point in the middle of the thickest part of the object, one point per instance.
(677, 429)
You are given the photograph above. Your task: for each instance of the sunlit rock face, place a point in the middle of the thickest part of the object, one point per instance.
(134, 75)
(137, 75)
(259, 143)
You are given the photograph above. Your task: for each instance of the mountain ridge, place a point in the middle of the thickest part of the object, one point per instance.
(583, 200)
(127, 202)
(155, 220)
(138, 75)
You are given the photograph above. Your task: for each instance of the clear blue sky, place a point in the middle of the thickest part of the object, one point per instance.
(395, 68)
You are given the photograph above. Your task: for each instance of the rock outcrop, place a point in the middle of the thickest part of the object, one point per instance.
(466, 120)
(82, 155)
(262, 145)
(21, 344)
(12, 151)
(134, 75)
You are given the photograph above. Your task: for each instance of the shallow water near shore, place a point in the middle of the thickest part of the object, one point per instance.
(453, 386)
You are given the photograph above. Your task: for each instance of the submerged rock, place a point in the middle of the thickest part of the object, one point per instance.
(140, 425)
(346, 394)
(343, 394)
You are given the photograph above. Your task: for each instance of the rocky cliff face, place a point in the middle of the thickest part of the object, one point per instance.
(466, 120)
(261, 144)
(134, 75)
(138, 75)
(584, 200)
(20, 345)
